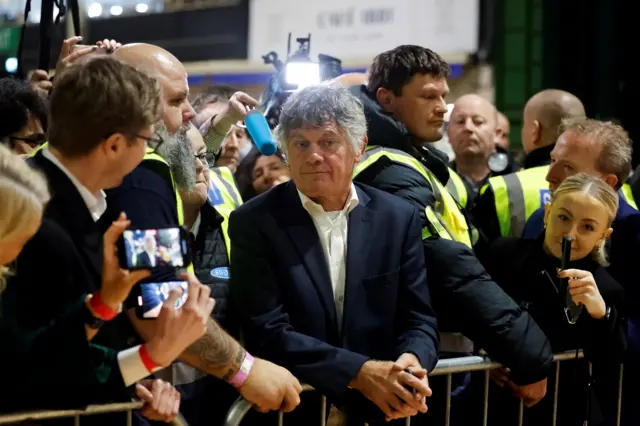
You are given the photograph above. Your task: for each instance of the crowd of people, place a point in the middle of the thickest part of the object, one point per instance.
(352, 260)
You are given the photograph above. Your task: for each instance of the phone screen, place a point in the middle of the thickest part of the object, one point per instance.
(152, 248)
(153, 295)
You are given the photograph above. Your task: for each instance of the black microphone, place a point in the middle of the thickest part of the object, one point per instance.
(571, 309)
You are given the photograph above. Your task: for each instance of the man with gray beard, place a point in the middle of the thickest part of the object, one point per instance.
(150, 199)
(176, 151)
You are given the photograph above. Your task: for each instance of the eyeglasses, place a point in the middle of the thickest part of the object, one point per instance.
(203, 158)
(154, 142)
(33, 141)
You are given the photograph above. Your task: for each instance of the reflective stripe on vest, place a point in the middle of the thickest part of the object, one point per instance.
(517, 196)
(457, 189)
(627, 194)
(446, 221)
(153, 157)
(222, 179)
(35, 151)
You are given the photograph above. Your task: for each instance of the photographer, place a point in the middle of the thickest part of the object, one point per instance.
(79, 372)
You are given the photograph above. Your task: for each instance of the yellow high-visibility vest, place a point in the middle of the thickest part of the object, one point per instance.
(445, 220)
(224, 197)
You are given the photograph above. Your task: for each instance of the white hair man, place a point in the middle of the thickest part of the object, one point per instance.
(344, 315)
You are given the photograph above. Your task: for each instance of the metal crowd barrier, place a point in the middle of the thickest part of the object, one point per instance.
(91, 410)
(445, 367)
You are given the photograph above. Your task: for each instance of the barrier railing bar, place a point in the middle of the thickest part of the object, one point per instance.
(485, 409)
(619, 414)
(56, 414)
(555, 395)
(447, 413)
(444, 367)
(521, 413)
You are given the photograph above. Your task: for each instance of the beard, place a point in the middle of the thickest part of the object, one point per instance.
(176, 150)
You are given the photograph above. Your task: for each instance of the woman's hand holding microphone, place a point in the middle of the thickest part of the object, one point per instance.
(584, 291)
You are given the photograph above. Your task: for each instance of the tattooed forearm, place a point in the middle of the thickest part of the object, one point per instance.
(215, 353)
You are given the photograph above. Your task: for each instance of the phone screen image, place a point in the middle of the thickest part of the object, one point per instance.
(151, 248)
(153, 295)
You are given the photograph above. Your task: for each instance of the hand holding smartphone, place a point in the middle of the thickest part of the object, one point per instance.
(159, 250)
(154, 248)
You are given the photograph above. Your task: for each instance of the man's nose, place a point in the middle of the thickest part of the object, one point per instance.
(188, 113)
(199, 166)
(441, 107)
(314, 156)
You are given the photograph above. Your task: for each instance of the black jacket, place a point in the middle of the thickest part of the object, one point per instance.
(464, 296)
(42, 309)
(528, 274)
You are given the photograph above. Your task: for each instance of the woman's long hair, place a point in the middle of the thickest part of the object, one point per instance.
(23, 196)
(598, 190)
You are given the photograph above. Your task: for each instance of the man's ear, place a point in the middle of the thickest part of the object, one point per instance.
(114, 144)
(360, 154)
(385, 98)
(536, 132)
(611, 179)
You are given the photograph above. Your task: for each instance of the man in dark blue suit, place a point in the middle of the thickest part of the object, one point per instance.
(604, 149)
(329, 277)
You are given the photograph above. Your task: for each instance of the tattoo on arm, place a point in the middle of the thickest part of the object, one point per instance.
(215, 353)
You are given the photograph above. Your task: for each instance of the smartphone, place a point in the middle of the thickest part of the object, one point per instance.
(571, 310)
(154, 248)
(152, 296)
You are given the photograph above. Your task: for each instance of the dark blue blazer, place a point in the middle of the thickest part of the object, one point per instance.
(282, 291)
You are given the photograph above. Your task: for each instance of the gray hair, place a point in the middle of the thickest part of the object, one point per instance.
(615, 157)
(319, 104)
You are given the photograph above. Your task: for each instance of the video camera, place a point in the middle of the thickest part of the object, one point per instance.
(297, 72)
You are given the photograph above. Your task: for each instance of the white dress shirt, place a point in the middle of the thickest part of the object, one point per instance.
(332, 228)
(131, 366)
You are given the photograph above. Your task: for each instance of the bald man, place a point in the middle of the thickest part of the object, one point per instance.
(541, 119)
(507, 201)
(150, 199)
(472, 132)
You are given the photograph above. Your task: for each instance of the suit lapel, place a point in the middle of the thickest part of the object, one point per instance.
(68, 210)
(303, 234)
(358, 246)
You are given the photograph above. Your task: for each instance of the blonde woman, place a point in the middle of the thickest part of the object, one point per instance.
(583, 207)
(58, 357)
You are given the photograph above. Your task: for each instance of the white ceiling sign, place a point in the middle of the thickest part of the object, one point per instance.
(363, 28)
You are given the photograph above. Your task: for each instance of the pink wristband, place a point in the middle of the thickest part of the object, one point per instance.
(242, 374)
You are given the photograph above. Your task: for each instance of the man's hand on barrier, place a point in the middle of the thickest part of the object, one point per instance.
(178, 328)
(381, 382)
(162, 400)
(270, 387)
(409, 361)
(530, 394)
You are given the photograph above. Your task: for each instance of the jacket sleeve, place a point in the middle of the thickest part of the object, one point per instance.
(43, 318)
(417, 320)
(58, 360)
(265, 322)
(605, 340)
(464, 295)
